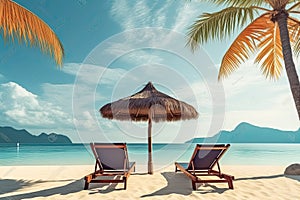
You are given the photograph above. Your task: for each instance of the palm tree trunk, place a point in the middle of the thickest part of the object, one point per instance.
(288, 59)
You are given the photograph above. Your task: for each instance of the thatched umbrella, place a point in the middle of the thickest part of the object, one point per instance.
(149, 105)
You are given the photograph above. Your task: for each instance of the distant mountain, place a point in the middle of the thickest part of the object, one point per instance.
(11, 135)
(247, 133)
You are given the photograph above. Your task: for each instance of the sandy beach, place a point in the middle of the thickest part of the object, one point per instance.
(66, 182)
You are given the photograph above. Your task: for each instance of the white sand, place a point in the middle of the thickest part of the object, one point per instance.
(66, 182)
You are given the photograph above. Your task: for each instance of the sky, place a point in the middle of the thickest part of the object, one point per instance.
(112, 50)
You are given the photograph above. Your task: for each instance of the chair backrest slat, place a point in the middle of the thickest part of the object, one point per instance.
(111, 156)
(206, 156)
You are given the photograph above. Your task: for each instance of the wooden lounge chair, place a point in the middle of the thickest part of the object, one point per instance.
(204, 159)
(112, 164)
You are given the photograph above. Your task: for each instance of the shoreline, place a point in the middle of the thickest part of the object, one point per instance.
(66, 182)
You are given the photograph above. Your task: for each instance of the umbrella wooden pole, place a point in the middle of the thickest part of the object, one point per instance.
(150, 164)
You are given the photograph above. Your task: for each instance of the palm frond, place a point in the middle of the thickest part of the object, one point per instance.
(238, 3)
(243, 46)
(294, 7)
(278, 4)
(218, 25)
(18, 22)
(294, 30)
(270, 54)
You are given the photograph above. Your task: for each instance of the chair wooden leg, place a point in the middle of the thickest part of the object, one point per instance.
(86, 185)
(194, 185)
(125, 183)
(87, 179)
(230, 184)
(229, 180)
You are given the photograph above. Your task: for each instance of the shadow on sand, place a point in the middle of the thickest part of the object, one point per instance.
(104, 188)
(178, 183)
(294, 177)
(73, 187)
(111, 187)
(14, 185)
(99, 188)
(259, 177)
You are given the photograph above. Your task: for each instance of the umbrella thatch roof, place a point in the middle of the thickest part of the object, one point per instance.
(149, 101)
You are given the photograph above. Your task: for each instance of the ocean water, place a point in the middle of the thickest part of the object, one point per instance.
(163, 154)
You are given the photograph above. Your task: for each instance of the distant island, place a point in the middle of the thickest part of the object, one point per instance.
(248, 133)
(11, 135)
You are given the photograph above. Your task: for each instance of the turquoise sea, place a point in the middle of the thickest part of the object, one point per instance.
(163, 154)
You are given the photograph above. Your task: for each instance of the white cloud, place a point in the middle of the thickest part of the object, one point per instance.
(86, 121)
(93, 74)
(252, 98)
(80, 102)
(141, 21)
(138, 14)
(89, 124)
(278, 118)
(23, 108)
(136, 19)
(187, 14)
(86, 93)
(273, 107)
(59, 95)
(97, 83)
(176, 15)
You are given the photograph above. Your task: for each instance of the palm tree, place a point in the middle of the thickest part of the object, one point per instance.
(18, 22)
(272, 35)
